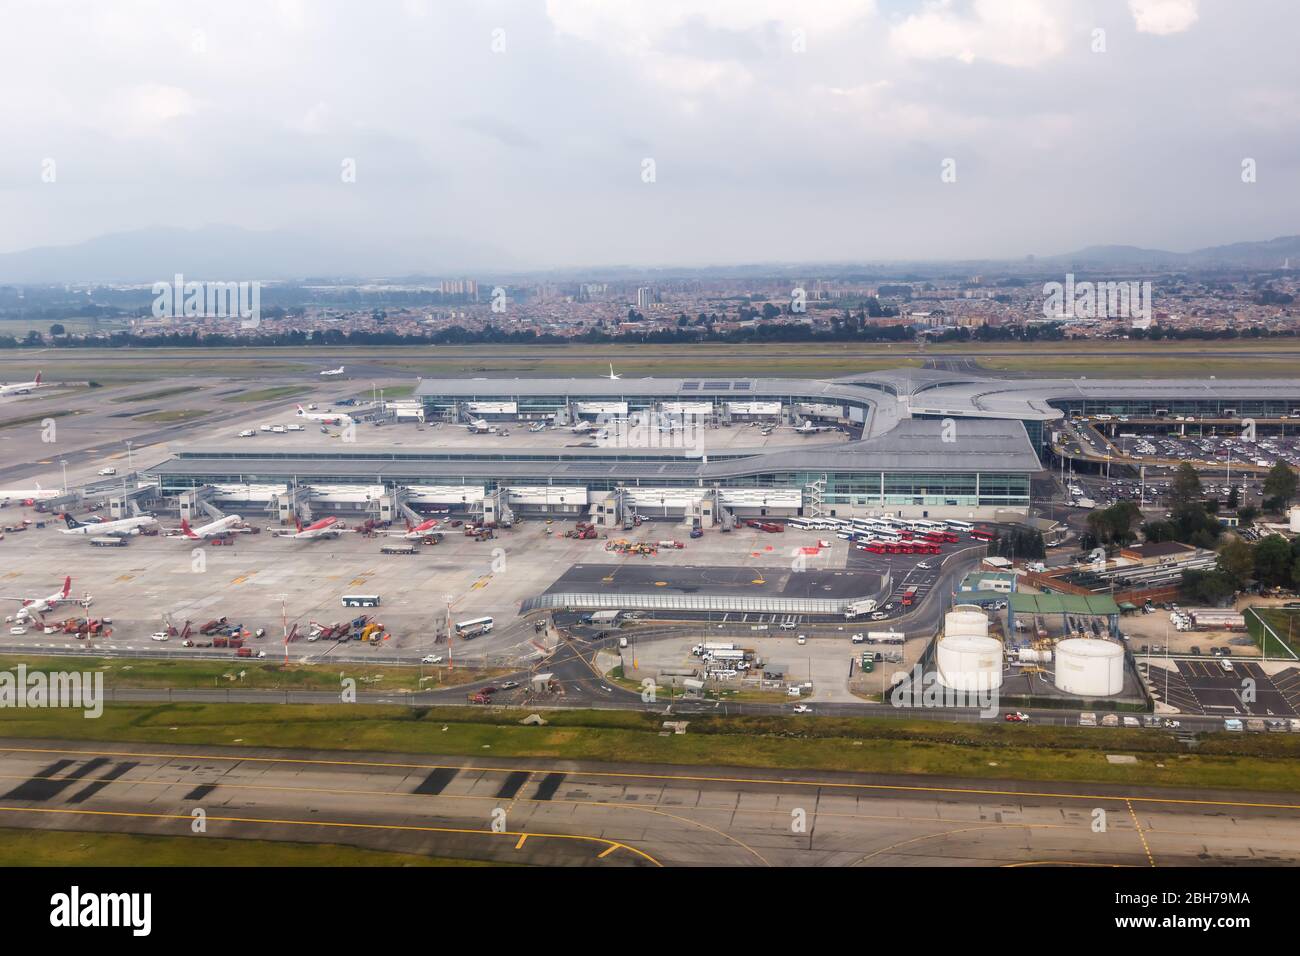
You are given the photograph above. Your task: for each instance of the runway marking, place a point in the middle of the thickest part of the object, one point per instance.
(419, 791)
(612, 845)
(690, 778)
(1141, 834)
(524, 836)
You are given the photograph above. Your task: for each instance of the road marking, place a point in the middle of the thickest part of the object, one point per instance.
(693, 778)
(612, 845)
(1141, 834)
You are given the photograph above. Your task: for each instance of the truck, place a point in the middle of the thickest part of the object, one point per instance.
(108, 541)
(397, 548)
(909, 596)
(858, 608)
(886, 637)
(709, 647)
(1232, 724)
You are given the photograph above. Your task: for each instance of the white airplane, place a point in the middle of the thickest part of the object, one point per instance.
(612, 376)
(581, 428)
(121, 526)
(325, 528)
(806, 427)
(477, 426)
(325, 418)
(212, 529)
(22, 388)
(333, 371)
(38, 606)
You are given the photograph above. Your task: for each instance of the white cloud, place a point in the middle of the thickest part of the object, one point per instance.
(1163, 17)
(1017, 33)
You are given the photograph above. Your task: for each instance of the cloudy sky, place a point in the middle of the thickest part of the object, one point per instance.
(793, 131)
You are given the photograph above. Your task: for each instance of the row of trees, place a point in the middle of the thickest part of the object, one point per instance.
(1018, 543)
(1272, 562)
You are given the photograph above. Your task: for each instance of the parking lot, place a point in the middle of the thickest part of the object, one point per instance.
(1204, 687)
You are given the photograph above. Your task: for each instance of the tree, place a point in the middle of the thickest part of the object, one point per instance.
(1185, 488)
(1237, 561)
(1273, 561)
(1207, 587)
(1280, 485)
(57, 329)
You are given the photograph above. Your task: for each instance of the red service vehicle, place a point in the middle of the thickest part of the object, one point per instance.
(909, 596)
(981, 534)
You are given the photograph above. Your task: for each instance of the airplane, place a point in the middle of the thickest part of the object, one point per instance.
(416, 532)
(581, 428)
(38, 606)
(325, 528)
(537, 427)
(119, 527)
(22, 388)
(333, 371)
(477, 426)
(325, 418)
(213, 529)
(806, 427)
(612, 376)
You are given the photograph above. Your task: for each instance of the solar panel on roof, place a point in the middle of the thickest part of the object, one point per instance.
(690, 386)
(718, 385)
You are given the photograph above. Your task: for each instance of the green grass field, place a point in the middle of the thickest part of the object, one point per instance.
(259, 674)
(875, 745)
(77, 849)
(1095, 359)
(1285, 623)
(269, 394)
(153, 396)
(173, 416)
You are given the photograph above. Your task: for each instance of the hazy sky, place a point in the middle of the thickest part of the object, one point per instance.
(800, 130)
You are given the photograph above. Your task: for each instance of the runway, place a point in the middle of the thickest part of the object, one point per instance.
(556, 812)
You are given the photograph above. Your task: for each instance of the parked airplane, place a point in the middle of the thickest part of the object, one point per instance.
(37, 606)
(212, 529)
(325, 528)
(806, 427)
(325, 418)
(333, 371)
(477, 426)
(22, 388)
(417, 531)
(121, 526)
(581, 428)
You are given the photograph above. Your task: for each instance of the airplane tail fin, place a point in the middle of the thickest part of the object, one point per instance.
(72, 522)
(38, 377)
(297, 523)
(185, 528)
(67, 585)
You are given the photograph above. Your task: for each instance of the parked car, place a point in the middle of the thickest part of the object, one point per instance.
(431, 659)
(1016, 717)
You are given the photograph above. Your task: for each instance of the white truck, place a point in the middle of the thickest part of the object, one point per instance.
(858, 608)
(699, 650)
(885, 637)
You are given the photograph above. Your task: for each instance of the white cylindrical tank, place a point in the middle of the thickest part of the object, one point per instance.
(1029, 655)
(969, 662)
(965, 620)
(1089, 667)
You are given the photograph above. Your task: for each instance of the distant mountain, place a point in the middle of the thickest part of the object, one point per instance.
(1269, 254)
(228, 253)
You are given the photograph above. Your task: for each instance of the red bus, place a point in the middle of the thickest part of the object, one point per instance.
(909, 596)
(981, 534)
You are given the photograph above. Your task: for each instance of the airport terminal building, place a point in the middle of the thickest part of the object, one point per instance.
(909, 442)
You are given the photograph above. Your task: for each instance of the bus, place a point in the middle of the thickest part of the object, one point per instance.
(982, 534)
(361, 600)
(473, 627)
(799, 524)
(909, 596)
(964, 526)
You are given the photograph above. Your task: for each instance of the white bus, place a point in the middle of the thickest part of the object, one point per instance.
(361, 600)
(924, 526)
(799, 524)
(964, 527)
(473, 627)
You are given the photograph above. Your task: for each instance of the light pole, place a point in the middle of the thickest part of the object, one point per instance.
(64, 463)
(130, 466)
